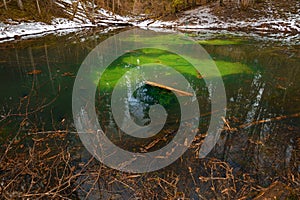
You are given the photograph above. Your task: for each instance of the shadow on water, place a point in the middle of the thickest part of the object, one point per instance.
(41, 155)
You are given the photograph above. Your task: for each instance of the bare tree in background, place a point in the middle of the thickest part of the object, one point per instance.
(113, 6)
(5, 5)
(20, 4)
(38, 6)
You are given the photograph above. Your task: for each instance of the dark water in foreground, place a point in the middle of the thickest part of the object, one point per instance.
(41, 155)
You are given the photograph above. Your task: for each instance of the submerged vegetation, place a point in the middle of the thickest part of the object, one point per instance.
(129, 61)
(41, 155)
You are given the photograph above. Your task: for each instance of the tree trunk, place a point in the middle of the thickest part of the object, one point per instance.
(134, 7)
(221, 3)
(119, 5)
(20, 5)
(4, 3)
(38, 7)
(113, 6)
(194, 3)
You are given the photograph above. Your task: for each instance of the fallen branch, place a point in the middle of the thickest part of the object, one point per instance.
(180, 92)
(269, 120)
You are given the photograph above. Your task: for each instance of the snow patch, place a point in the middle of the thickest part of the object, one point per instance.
(285, 28)
(202, 18)
(25, 29)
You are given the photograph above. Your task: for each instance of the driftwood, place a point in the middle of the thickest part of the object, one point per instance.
(180, 92)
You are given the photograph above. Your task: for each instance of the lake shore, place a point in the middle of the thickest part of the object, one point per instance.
(278, 21)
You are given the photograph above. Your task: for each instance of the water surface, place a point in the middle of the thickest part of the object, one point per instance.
(260, 142)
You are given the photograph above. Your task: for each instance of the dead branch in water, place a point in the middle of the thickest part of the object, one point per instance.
(232, 129)
(179, 92)
(270, 120)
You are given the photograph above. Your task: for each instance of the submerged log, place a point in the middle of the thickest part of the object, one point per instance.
(180, 92)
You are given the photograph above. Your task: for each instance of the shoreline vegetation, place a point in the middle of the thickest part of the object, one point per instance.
(271, 18)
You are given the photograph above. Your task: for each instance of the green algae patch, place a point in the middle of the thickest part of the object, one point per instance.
(230, 68)
(146, 56)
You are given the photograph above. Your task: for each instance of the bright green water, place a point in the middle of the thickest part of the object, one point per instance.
(261, 81)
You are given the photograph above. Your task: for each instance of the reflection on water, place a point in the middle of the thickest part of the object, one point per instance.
(258, 93)
(260, 142)
(137, 105)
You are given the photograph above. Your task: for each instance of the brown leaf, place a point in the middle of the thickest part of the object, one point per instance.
(34, 72)
(67, 74)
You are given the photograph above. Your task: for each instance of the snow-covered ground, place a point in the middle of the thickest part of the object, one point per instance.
(200, 19)
(285, 28)
(15, 30)
(81, 20)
